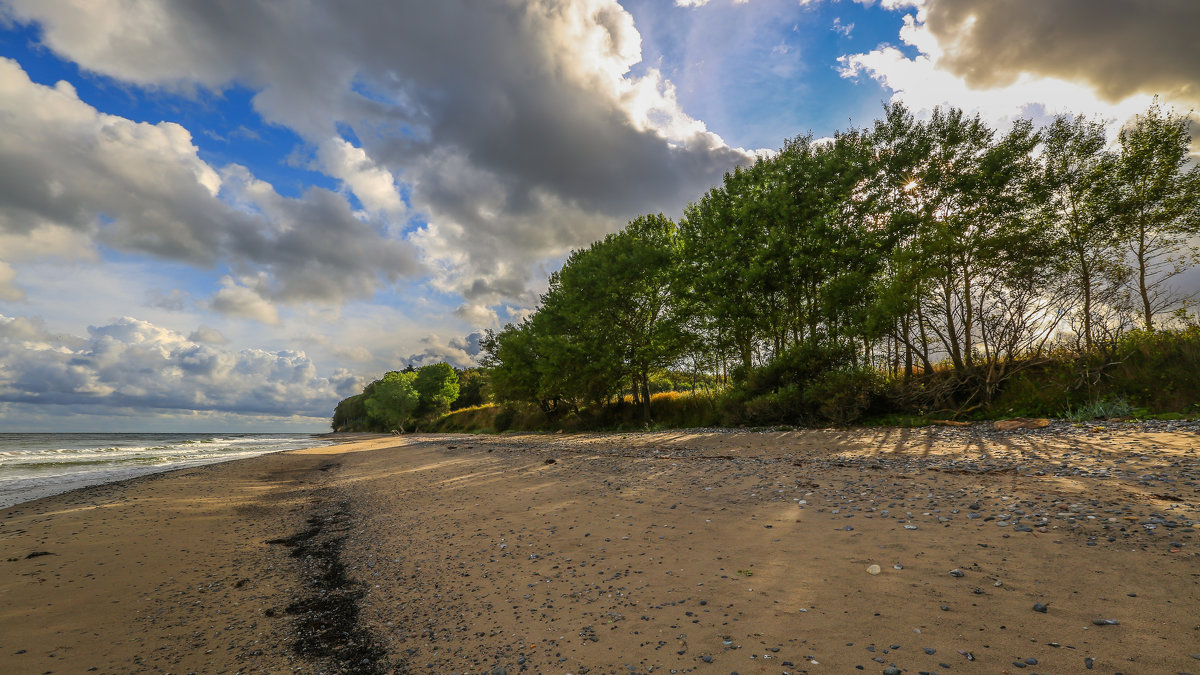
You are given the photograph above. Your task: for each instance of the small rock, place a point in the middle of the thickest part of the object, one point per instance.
(956, 572)
(1106, 622)
(1039, 607)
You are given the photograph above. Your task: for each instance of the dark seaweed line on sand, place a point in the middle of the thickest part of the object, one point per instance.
(326, 619)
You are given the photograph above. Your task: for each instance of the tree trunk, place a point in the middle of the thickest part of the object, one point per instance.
(747, 350)
(646, 396)
(968, 320)
(924, 341)
(1085, 278)
(951, 329)
(908, 355)
(1143, 291)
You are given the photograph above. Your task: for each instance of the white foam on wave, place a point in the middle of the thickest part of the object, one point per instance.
(33, 466)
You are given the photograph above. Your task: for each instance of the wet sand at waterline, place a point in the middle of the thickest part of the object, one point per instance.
(836, 551)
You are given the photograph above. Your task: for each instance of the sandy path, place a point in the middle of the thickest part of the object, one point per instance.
(712, 553)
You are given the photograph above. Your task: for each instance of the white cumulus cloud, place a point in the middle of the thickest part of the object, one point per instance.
(72, 177)
(134, 363)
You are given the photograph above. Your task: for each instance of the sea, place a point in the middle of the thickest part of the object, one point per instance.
(37, 465)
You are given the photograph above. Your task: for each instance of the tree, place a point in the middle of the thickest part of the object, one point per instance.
(612, 303)
(1078, 201)
(473, 388)
(1160, 205)
(518, 368)
(393, 400)
(350, 413)
(980, 264)
(718, 250)
(901, 147)
(437, 388)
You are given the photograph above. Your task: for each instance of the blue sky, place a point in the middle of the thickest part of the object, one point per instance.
(230, 214)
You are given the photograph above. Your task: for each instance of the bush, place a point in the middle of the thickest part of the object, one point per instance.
(799, 365)
(504, 419)
(837, 397)
(842, 396)
(1158, 370)
(811, 383)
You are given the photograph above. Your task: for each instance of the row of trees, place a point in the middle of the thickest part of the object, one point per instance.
(893, 248)
(398, 399)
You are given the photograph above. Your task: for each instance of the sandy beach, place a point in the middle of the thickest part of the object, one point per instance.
(944, 550)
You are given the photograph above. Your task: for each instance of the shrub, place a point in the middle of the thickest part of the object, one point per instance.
(504, 418)
(841, 396)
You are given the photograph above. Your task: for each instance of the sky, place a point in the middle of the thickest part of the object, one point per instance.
(230, 214)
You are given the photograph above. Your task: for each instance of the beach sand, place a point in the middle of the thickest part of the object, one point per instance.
(709, 552)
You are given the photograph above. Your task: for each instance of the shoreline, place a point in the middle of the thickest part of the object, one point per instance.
(566, 552)
(29, 489)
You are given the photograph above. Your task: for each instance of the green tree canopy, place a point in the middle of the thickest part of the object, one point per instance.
(393, 401)
(1160, 205)
(437, 387)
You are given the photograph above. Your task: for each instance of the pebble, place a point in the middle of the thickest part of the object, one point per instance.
(1039, 607)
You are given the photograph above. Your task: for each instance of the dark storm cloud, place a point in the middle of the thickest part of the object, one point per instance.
(1120, 47)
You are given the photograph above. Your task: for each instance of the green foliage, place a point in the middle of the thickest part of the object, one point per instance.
(1106, 408)
(607, 319)
(811, 386)
(915, 268)
(393, 401)
(398, 399)
(799, 365)
(473, 389)
(1158, 370)
(1160, 205)
(437, 388)
(350, 414)
(526, 365)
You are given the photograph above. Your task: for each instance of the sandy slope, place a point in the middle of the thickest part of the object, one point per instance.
(706, 552)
